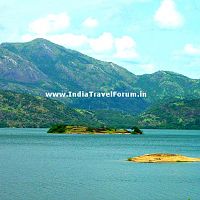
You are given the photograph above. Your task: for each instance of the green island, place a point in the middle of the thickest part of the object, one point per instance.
(74, 129)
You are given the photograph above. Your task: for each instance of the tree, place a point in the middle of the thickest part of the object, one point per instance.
(136, 130)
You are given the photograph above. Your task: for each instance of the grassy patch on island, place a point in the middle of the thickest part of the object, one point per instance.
(70, 129)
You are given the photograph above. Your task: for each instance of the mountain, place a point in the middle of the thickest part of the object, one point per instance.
(41, 66)
(64, 70)
(182, 114)
(24, 110)
(70, 69)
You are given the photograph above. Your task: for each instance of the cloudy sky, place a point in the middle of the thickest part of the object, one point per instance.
(143, 36)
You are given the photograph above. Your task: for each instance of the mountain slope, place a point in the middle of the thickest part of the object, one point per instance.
(73, 70)
(182, 114)
(15, 68)
(43, 66)
(23, 110)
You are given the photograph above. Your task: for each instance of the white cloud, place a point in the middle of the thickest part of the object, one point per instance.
(90, 22)
(191, 50)
(50, 23)
(125, 48)
(167, 16)
(103, 43)
(148, 68)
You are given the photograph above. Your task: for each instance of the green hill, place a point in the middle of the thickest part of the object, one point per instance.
(24, 110)
(164, 85)
(182, 114)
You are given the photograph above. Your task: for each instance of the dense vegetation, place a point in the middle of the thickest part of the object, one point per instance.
(182, 114)
(115, 119)
(69, 129)
(23, 110)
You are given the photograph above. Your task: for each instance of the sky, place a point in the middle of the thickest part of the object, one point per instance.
(143, 36)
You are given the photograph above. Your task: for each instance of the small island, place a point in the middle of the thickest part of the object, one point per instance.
(162, 158)
(70, 129)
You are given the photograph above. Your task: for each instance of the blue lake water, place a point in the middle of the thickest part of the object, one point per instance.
(35, 165)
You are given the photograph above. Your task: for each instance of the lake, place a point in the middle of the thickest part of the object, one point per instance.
(35, 165)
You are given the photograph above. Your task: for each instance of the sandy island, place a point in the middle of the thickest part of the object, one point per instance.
(162, 158)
